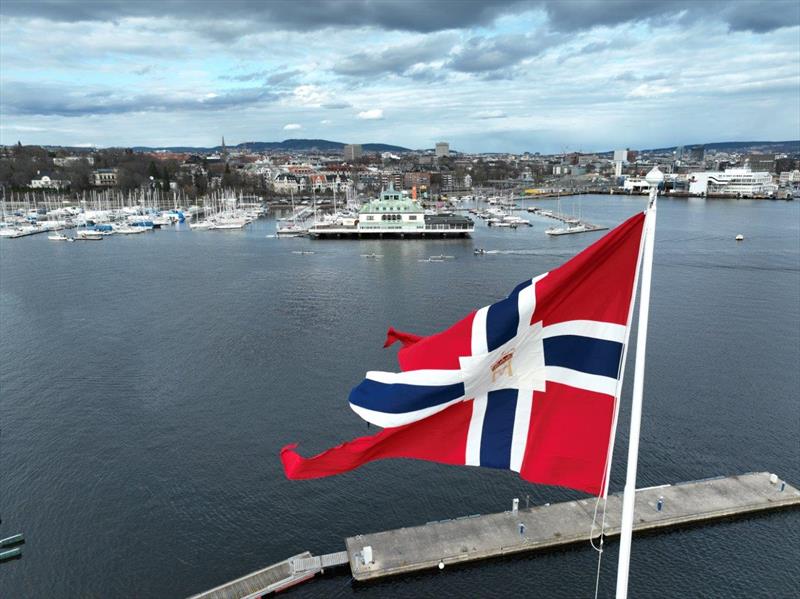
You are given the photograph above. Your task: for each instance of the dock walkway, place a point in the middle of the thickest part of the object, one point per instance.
(276, 577)
(479, 537)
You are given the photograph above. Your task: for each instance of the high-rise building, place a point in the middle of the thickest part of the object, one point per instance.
(352, 152)
(697, 154)
(762, 162)
(442, 149)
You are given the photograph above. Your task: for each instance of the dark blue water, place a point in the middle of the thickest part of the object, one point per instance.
(148, 382)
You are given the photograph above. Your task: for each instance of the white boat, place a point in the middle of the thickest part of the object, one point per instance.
(291, 231)
(127, 230)
(203, 224)
(228, 224)
(88, 235)
(59, 237)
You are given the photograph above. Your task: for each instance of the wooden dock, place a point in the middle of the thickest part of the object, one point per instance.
(479, 537)
(470, 538)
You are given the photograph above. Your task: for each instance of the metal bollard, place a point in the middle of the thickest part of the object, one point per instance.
(521, 529)
(783, 485)
(660, 503)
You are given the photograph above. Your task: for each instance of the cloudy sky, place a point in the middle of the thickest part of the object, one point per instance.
(513, 75)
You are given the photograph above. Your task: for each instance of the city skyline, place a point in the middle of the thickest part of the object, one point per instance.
(500, 76)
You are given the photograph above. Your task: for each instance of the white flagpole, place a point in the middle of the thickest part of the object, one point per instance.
(654, 177)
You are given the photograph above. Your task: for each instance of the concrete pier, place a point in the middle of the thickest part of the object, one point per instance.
(470, 538)
(478, 537)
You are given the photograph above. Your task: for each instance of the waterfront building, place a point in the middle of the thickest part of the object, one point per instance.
(104, 177)
(442, 149)
(788, 177)
(739, 182)
(352, 152)
(395, 214)
(635, 185)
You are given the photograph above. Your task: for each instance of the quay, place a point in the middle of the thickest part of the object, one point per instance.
(470, 538)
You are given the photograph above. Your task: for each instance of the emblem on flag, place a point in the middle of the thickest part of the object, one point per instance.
(529, 383)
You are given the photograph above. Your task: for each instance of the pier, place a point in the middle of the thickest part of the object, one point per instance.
(470, 538)
(276, 577)
(576, 224)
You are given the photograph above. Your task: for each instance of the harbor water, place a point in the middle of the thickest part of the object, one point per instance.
(148, 382)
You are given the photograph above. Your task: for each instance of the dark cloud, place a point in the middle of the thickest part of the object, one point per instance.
(738, 15)
(482, 54)
(283, 76)
(405, 15)
(395, 59)
(252, 76)
(24, 98)
(639, 78)
(597, 48)
(270, 76)
(239, 17)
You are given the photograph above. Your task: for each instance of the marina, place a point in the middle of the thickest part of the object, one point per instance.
(86, 303)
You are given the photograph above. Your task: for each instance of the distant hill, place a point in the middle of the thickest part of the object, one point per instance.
(292, 145)
(768, 147)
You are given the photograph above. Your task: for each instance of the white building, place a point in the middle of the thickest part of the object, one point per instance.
(44, 181)
(104, 177)
(636, 185)
(787, 177)
(739, 182)
(288, 182)
(69, 160)
(442, 149)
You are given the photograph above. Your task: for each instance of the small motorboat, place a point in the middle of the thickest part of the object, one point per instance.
(59, 237)
(740, 237)
(89, 235)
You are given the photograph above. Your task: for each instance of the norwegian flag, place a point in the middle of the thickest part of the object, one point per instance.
(530, 383)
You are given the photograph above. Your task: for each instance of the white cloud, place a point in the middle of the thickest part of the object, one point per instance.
(374, 114)
(310, 95)
(490, 114)
(326, 122)
(292, 127)
(650, 90)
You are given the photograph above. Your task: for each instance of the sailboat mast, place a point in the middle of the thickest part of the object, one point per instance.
(654, 177)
